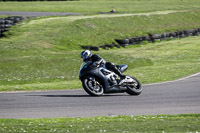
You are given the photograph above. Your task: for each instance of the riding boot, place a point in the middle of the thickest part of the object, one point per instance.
(122, 77)
(110, 66)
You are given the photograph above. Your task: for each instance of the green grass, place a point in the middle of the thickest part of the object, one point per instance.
(99, 31)
(95, 6)
(3, 16)
(37, 56)
(69, 33)
(157, 62)
(155, 123)
(44, 53)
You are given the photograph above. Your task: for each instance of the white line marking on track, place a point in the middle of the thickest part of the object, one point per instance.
(174, 80)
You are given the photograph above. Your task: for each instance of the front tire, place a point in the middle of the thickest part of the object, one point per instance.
(92, 86)
(135, 88)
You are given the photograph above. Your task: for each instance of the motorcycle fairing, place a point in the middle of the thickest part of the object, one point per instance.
(87, 69)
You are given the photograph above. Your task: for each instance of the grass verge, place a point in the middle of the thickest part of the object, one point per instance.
(3, 16)
(95, 6)
(156, 123)
(69, 33)
(150, 63)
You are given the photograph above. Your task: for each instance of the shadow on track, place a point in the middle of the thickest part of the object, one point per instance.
(74, 95)
(60, 95)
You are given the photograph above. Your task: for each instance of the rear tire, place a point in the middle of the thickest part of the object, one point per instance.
(92, 86)
(135, 88)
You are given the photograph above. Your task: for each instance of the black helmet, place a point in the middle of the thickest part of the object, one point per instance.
(86, 54)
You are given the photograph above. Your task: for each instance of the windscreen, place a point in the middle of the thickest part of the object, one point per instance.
(82, 65)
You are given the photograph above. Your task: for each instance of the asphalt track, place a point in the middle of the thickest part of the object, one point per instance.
(36, 14)
(176, 97)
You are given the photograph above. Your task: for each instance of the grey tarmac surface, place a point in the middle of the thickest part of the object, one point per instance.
(36, 14)
(177, 97)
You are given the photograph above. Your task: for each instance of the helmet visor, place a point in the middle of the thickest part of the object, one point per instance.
(84, 55)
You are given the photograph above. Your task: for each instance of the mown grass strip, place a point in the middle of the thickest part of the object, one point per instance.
(59, 85)
(96, 6)
(156, 123)
(70, 33)
(99, 31)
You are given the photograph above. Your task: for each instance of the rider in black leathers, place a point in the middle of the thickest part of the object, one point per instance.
(88, 56)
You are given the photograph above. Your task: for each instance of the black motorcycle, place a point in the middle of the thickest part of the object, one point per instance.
(97, 80)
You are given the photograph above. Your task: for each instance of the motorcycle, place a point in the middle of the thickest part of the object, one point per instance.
(97, 80)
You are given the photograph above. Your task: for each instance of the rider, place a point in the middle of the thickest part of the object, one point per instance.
(88, 56)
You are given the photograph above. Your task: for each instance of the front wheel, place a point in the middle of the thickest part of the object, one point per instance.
(134, 88)
(92, 86)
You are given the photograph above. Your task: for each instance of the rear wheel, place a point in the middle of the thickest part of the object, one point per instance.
(134, 88)
(92, 86)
